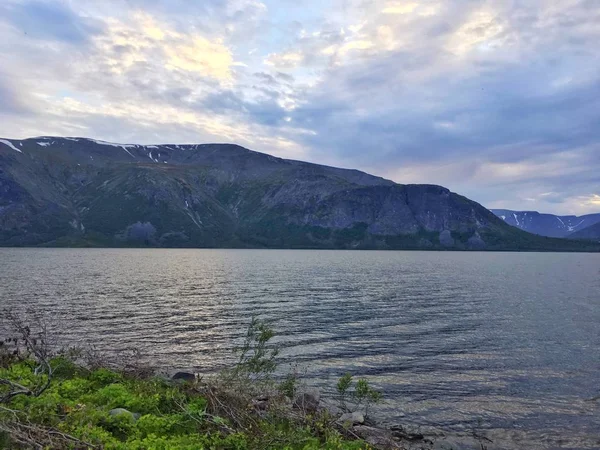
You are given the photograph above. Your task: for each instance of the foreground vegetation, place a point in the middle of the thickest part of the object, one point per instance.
(73, 400)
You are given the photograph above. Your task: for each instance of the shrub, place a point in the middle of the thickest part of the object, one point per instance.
(256, 356)
(361, 394)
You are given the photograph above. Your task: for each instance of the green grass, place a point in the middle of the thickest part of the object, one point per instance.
(78, 404)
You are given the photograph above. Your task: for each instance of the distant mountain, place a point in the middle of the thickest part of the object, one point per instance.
(83, 192)
(546, 224)
(592, 232)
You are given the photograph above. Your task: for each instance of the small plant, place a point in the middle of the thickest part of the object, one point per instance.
(366, 395)
(360, 394)
(289, 385)
(257, 360)
(343, 385)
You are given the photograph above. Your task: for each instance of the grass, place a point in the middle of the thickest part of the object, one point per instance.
(63, 403)
(75, 412)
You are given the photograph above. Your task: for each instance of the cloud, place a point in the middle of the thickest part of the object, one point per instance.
(482, 30)
(400, 7)
(12, 102)
(201, 56)
(590, 201)
(142, 41)
(237, 20)
(45, 20)
(495, 100)
(286, 60)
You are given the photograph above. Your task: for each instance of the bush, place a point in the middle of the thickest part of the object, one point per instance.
(360, 394)
(256, 355)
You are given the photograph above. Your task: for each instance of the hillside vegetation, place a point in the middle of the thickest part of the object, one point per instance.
(81, 192)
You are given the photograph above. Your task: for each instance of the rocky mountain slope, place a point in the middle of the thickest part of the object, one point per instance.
(592, 232)
(546, 224)
(82, 192)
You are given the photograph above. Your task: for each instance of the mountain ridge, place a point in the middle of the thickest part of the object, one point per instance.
(592, 232)
(84, 192)
(544, 224)
(45, 141)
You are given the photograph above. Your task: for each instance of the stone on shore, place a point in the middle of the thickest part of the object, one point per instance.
(355, 418)
(185, 377)
(377, 437)
(308, 401)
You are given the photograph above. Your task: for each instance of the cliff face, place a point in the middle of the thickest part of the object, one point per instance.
(76, 191)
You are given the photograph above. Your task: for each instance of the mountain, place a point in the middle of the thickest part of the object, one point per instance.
(592, 232)
(84, 192)
(546, 224)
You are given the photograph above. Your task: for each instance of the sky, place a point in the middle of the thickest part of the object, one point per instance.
(496, 100)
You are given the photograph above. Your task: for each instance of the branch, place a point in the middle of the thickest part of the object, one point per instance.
(39, 349)
(33, 436)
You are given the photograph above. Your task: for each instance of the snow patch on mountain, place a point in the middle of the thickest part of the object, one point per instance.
(125, 148)
(10, 144)
(546, 224)
(572, 227)
(112, 144)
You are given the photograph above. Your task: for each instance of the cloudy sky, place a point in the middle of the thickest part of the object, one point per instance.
(497, 100)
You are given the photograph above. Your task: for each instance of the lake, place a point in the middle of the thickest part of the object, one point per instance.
(505, 343)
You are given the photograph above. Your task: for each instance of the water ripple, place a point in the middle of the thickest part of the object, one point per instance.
(506, 343)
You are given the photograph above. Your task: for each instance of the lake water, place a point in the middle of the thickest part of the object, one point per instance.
(507, 343)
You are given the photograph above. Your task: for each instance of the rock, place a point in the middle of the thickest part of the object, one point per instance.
(123, 411)
(185, 377)
(446, 238)
(400, 433)
(462, 443)
(476, 242)
(355, 418)
(447, 445)
(377, 437)
(308, 401)
(331, 408)
(315, 393)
